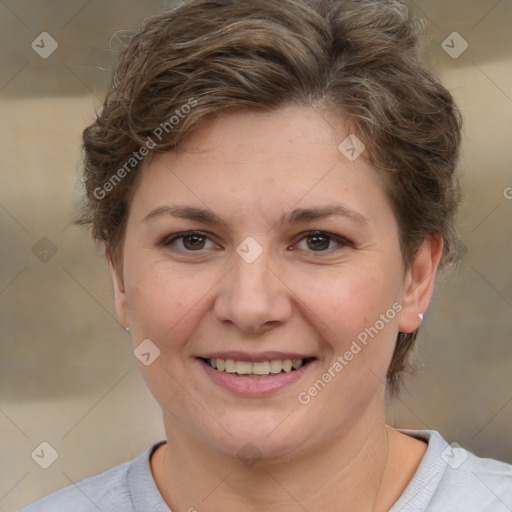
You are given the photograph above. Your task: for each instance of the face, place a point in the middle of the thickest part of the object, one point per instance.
(294, 255)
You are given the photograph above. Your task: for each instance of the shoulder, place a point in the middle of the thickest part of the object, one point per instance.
(107, 491)
(110, 491)
(452, 478)
(470, 480)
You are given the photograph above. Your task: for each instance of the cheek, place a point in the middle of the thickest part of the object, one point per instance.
(345, 301)
(165, 307)
(166, 302)
(358, 322)
(159, 305)
(355, 312)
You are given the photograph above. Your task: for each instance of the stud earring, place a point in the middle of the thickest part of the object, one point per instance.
(421, 316)
(127, 329)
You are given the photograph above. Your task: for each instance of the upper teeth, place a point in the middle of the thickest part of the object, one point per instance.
(259, 368)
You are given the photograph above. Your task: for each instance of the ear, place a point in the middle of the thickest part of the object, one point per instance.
(419, 283)
(120, 300)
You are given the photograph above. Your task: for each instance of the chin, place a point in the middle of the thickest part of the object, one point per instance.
(259, 436)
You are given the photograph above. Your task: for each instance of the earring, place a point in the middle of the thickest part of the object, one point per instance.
(127, 329)
(421, 316)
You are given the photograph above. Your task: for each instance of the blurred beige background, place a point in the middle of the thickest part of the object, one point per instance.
(68, 375)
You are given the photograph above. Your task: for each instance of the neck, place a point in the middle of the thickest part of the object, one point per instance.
(347, 473)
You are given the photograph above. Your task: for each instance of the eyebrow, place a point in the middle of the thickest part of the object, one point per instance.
(296, 216)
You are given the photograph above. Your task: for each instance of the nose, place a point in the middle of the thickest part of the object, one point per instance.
(253, 296)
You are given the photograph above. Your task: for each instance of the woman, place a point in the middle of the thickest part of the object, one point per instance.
(274, 186)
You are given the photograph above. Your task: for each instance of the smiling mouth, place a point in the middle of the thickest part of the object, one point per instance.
(257, 369)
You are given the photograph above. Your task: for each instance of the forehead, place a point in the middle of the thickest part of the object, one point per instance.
(237, 135)
(247, 161)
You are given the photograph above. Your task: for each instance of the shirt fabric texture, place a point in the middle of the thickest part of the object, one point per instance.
(448, 479)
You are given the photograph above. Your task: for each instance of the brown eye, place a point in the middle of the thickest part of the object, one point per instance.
(194, 242)
(320, 241)
(187, 241)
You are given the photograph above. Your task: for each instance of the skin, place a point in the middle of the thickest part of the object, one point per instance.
(335, 453)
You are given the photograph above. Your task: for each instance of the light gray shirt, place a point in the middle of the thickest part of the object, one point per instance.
(448, 479)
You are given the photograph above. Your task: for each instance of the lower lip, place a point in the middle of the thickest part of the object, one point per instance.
(255, 386)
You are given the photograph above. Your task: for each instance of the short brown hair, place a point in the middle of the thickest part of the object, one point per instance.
(359, 59)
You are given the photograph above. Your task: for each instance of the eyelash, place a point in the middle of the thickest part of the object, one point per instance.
(342, 242)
